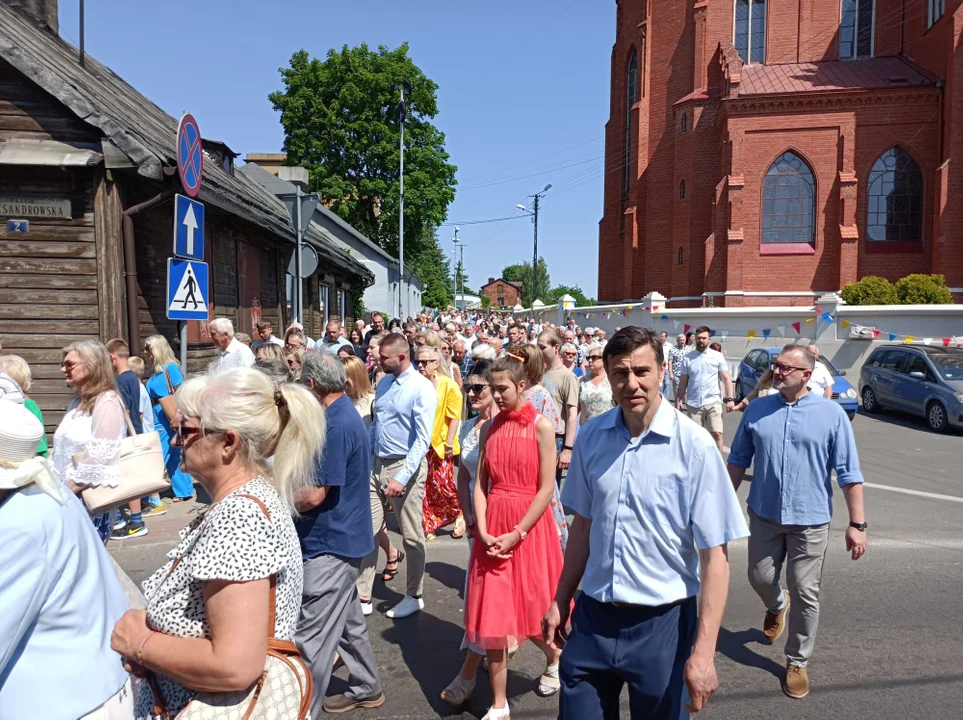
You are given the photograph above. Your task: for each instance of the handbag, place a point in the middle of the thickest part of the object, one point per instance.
(142, 472)
(284, 691)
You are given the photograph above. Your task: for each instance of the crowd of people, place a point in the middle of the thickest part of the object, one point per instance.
(491, 427)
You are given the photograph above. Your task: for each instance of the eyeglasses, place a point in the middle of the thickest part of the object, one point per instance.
(70, 364)
(419, 363)
(785, 369)
(182, 432)
(594, 357)
(569, 354)
(476, 388)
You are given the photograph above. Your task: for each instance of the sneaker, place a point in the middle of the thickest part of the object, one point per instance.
(407, 606)
(775, 622)
(154, 510)
(367, 607)
(796, 682)
(342, 703)
(120, 524)
(129, 531)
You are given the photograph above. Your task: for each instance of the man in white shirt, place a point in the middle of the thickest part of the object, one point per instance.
(265, 334)
(666, 349)
(232, 353)
(703, 371)
(821, 381)
(332, 340)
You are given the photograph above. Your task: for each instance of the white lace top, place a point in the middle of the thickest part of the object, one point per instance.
(86, 448)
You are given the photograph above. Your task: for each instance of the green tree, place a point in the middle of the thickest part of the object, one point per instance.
(461, 277)
(522, 273)
(556, 293)
(485, 302)
(919, 289)
(432, 266)
(870, 290)
(340, 120)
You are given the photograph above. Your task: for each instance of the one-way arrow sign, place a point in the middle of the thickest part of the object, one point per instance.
(188, 228)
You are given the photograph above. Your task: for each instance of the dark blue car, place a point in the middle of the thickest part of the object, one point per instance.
(757, 361)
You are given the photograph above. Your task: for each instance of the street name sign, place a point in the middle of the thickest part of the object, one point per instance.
(190, 155)
(188, 228)
(187, 283)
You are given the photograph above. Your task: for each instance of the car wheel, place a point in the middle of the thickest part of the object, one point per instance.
(936, 417)
(739, 394)
(869, 400)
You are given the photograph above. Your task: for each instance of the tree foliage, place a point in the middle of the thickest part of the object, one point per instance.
(522, 273)
(431, 265)
(461, 277)
(919, 289)
(340, 120)
(556, 293)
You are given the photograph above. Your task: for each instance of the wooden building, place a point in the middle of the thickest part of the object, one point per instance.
(89, 163)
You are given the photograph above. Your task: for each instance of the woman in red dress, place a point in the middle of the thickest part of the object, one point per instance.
(516, 560)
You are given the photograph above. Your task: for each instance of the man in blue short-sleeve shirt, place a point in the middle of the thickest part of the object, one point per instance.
(654, 510)
(336, 533)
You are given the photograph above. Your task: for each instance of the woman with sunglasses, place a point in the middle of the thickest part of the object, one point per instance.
(86, 449)
(206, 627)
(569, 356)
(478, 391)
(166, 377)
(440, 505)
(595, 391)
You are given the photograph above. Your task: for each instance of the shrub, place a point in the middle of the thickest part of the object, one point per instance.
(919, 289)
(870, 290)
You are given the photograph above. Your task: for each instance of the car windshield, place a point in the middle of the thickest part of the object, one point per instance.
(950, 366)
(829, 366)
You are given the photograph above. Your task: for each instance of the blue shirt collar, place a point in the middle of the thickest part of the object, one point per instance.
(663, 423)
(807, 398)
(403, 377)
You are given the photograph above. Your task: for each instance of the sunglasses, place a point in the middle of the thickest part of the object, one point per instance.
(70, 364)
(594, 357)
(476, 388)
(569, 354)
(419, 363)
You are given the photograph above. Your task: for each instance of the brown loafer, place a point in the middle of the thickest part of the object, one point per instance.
(342, 703)
(775, 623)
(796, 681)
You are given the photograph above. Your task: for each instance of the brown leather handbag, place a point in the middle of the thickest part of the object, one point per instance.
(284, 691)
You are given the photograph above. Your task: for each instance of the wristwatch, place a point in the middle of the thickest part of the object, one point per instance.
(859, 526)
(521, 533)
(725, 400)
(566, 447)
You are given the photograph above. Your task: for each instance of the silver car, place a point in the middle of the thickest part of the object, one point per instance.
(922, 380)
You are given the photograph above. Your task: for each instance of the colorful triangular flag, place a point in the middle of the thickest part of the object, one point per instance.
(910, 338)
(686, 328)
(781, 330)
(665, 317)
(927, 341)
(846, 324)
(946, 342)
(765, 333)
(892, 336)
(724, 333)
(796, 326)
(809, 320)
(827, 317)
(819, 310)
(752, 334)
(875, 333)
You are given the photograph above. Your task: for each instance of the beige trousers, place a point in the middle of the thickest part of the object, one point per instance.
(408, 511)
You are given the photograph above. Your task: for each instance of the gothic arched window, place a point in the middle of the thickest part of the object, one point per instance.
(631, 83)
(749, 31)
(894, 211)
(788, 201)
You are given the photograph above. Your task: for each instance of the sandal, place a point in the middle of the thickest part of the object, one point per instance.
(548, 683)
(389, 573)
(458, 691)
(460, 527)
(498, 713)
(182, 499)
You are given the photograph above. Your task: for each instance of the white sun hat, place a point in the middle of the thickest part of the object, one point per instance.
(20, 434)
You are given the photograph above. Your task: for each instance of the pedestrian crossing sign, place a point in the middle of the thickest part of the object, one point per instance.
(187, 289)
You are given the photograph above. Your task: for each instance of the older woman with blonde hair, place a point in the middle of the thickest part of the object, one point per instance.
(295, 360)
(359, 388)
(595, 391)
(17, 368)
(86, 449)
(206, 623)
(270, 351)
(165, 378)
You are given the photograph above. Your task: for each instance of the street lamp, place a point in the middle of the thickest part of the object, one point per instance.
(460, 248)
(402, 116)
(534, 214)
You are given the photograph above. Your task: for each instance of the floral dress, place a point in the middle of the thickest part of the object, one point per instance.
(86, 449)
(594, 399)
(231, 540)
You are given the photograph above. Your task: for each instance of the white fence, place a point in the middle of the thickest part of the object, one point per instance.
(846, 334)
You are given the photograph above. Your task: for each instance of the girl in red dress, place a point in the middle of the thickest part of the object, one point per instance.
(516, 560)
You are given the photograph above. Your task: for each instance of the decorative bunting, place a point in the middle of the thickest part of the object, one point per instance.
(752, 334)
(665, 317)
(946, 342)
(927, 341)
(875, 333)
(892, 336)
(781, 330)
(724, 333)
(686, 328)
(809, 320)
(827, 317)
(712, 333)
(846, 324)
(631, 307)
(796, 326)
(765, 333)
(909, 339)
(819, 310)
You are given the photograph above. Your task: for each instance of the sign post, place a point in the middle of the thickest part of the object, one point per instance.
(301, 207)
(187, 280)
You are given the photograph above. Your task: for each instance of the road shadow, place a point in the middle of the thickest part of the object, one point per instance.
(451, 576)
(733, 646)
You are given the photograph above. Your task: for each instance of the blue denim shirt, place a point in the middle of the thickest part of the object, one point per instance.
(793, 450)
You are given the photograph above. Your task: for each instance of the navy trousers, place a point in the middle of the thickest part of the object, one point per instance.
(609, 646)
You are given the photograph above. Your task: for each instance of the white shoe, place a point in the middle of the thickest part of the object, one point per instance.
(407, 606)
(367, 608)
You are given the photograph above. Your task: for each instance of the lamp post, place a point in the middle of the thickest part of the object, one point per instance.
(460, 248)
(534, 213)
(402, 116)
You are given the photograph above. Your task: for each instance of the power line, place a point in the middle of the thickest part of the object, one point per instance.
(482, 222)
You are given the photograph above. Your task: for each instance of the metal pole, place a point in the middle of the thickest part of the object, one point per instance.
(182, 333)
(454, 275)
(535, 257)
(83, 23)
(402, 294)
(461, 249)
(299, 294)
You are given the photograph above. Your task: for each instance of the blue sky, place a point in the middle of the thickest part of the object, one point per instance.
(523, 96)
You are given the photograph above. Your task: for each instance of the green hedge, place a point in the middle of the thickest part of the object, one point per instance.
(916, 289)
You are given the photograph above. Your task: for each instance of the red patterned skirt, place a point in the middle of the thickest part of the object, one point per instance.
(440, 507)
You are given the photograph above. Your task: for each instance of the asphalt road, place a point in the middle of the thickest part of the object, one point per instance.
(889, 644)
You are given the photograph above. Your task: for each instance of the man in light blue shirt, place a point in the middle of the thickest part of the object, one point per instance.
(404, 415)
(332, 340)
(795, 439)
(654, 510)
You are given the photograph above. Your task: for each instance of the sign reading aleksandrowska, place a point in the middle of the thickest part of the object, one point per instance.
(32, 207)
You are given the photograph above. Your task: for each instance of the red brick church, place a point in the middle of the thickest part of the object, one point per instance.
(762, 151)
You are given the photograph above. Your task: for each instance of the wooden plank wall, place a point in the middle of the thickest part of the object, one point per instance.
(48, 282)
(26, 111)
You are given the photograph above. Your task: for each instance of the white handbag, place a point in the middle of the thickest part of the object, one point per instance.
(142, 472)
(284, 690)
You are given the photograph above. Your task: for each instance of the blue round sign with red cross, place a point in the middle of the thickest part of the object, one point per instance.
(190, 155)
